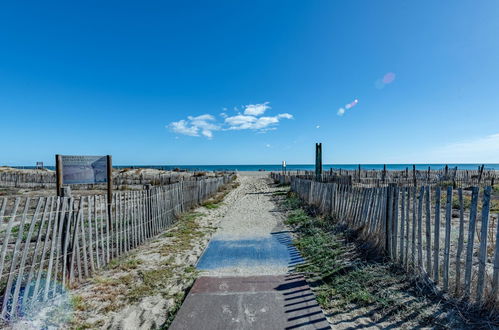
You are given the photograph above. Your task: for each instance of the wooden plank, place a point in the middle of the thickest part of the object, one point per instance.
(428, 229)
(92, 247)
(495, 276)
(8, 232)
(407, 226)
(84, 239)
(413, 226)
(99, 239)
(34, 259)
(67, 224)
(471, 238)
(75, 247)
(13, 266)
(436, 245)
(53, 250)
(22, 264)
(420, 228)
(448, 218)
(46, 244)
(395, 222)
(482, 252)
(105, 216)
(402, 225)
(460, 242)
(119, 225)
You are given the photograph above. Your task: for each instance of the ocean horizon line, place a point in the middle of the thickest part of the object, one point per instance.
(278, 167)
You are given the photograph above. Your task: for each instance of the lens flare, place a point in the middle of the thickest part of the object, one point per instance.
(38, 304)
(387, 79)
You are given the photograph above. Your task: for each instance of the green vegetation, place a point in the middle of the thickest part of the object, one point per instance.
(340, 282)
(179, 299)
(16, 229)
(347, 276)
(211, 205)
(124, 263)
(152, 283)
(216, 201)
(186, 230)
(78, 303)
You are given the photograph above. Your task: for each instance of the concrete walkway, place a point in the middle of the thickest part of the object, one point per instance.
(247, 280)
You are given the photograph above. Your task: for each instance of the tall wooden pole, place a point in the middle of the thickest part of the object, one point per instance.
(58, 174)
(109, 187)
(318, 161)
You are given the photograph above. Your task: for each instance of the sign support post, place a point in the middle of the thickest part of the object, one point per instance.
(109, 187)
(58, 174)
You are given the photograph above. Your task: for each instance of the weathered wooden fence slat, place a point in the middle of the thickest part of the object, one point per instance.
(413, 227)
(482, 253)
(49, 243)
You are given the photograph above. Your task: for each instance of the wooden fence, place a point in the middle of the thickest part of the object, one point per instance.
(444, 235)
(50, 243)
(47, 180)
(408, 177)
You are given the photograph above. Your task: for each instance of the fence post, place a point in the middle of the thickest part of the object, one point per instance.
(318, 161)
(481, 173)
(389, 218)
(414, 175)
(58, 173)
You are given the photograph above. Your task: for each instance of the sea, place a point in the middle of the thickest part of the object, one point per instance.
(301, 167)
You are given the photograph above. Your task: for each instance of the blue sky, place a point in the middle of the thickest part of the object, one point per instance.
(250, 82)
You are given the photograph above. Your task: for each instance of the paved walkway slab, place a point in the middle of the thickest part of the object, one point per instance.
(275, 250)
(256, 302)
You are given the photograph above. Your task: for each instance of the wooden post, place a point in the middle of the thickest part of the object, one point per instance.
(384, 173)
(480, 174)
(318, 161)
(389, 219)
(58, 174)
(414, 175)
(109, 187)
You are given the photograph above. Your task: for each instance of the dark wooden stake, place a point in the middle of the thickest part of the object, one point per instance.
(414, 175)
(109, 188)
(318, 161)
(58, 174)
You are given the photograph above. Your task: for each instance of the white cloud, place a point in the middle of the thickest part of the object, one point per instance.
(256, 109)
(285, 116)
(193, 125)
(251, 119)
(341, 112)
(241, 122)
(182, 127)
(268, 145)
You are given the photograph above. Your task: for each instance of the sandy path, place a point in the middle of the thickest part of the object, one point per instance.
(246, 280)
(253, 213)
(252, 217)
